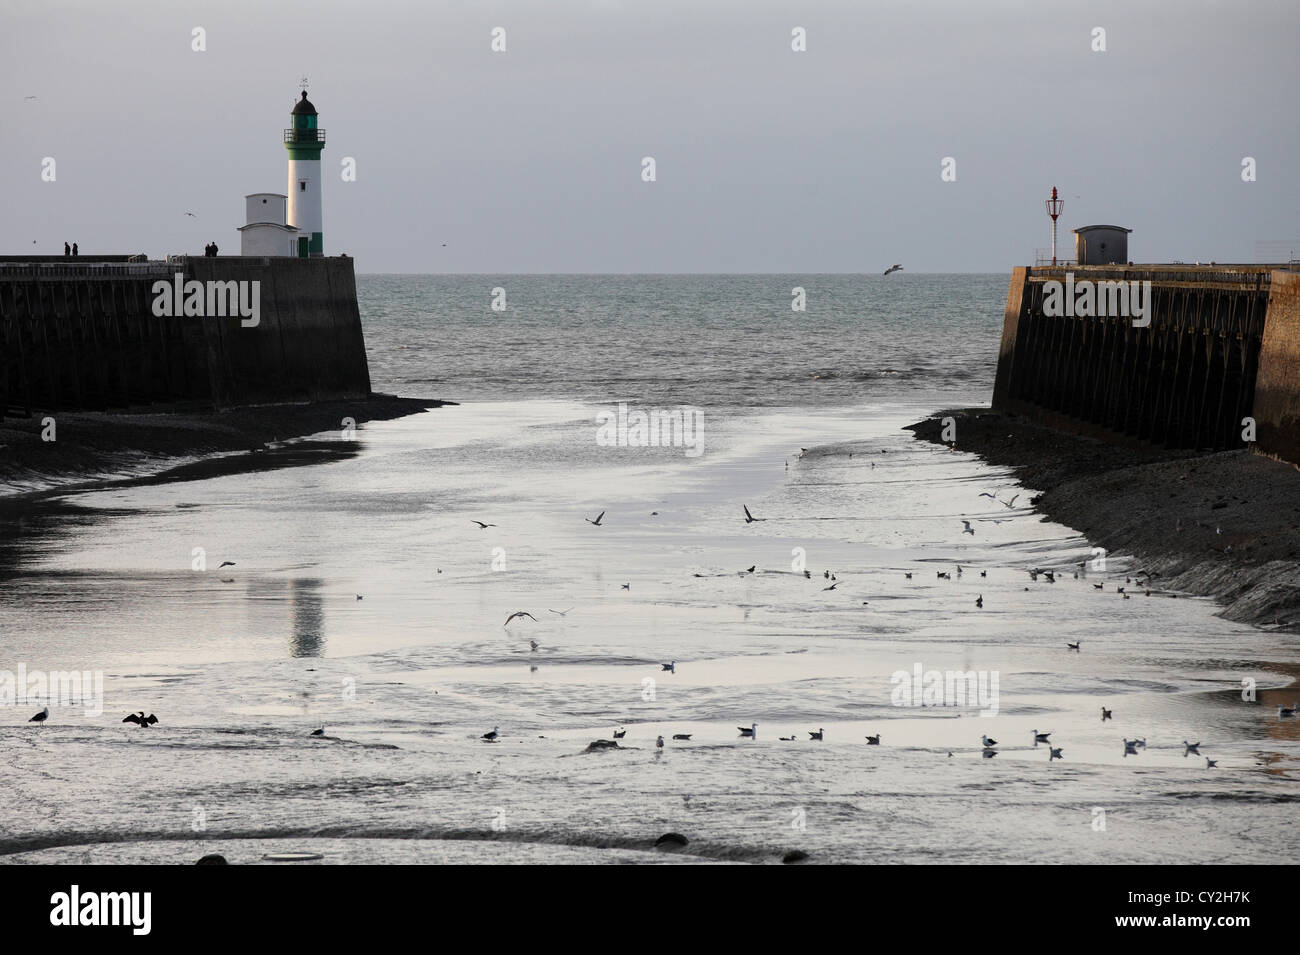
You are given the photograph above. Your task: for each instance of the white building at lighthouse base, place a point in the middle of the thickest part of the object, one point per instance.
(265, 231)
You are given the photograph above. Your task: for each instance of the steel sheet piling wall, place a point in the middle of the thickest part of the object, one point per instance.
(1185, 381)
(84, 336)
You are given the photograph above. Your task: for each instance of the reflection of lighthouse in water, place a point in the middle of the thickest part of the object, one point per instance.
(308, 625)
(305, 140)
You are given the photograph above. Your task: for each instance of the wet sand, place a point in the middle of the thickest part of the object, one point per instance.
(93, 447)
(1224, 525)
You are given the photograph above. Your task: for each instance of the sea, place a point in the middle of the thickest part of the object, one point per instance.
(703, 514)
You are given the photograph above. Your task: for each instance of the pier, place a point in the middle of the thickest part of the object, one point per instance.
(81, 334)
(1219, 344)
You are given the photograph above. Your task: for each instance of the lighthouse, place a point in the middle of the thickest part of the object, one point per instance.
(305, 140)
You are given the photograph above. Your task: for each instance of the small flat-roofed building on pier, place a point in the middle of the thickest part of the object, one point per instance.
(265, 231)
(1101, 245)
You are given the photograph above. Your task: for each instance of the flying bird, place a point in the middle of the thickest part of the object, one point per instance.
(191, 215)
(1054, 754)
(596, 522)
(481, 525)
(1190, 748)
(894, 268)
(226, 563)
(519, 613)
(750, 518)
(559, 612)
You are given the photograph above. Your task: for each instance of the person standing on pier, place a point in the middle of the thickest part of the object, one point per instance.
(67, 249)
(74, 249)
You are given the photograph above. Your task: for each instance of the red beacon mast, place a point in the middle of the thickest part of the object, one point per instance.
(1054, 207)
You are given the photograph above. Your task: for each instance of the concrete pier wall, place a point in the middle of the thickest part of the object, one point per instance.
(1222, 344)
(1277, 387)
(77, 334)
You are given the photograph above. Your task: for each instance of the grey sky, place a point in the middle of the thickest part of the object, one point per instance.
(767, 159)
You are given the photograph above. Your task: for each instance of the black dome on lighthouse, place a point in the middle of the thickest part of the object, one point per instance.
(303, 107)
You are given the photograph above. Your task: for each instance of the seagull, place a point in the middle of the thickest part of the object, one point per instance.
(1211, 763)
(751, 569)
(751, 732)
(191, 215)
(992, 497)
(1190, 748)
(1009, 504)
(491, 736)
(941, 575)
(619, 734)
(894, 268)
(149, 720)
(1105, 714)
(1130, 747)
(596, 522)
(319, 732)
(1055, 753)
(788, 739)
(519, 613)
(1041, 737)
(136, 718)
(873, 740)
(908, 575)
(818, 735)
(659, 742)
(1098, 586)
(359, 597)
(533, 644)
(988, 743)
(967, 529)
(832, 586)
(685, 736)
(29, 97)
(1141, 742)
(481, 525)
(41, 717)
(627, 586)
(1072, 646)
(979, 601)
(1291, 710)
(750, 518)
(226, 563)
(669, 667)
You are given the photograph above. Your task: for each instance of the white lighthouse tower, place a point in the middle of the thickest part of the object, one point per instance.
(305, 140)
